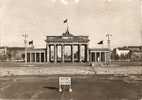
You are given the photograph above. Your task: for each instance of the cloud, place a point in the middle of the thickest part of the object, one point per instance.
(76, 1)
(66, 2)
(53, 1)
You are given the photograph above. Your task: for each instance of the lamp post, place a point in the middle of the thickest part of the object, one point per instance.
(25, 43)
(108, 43)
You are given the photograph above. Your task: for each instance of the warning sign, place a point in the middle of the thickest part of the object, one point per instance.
(64, 80)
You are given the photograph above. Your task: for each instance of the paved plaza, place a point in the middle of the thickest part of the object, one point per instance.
(84, 88)
(19, 81)
(13, 69)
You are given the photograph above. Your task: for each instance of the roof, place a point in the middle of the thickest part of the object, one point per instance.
(131, 48)
(123, 48)
(16, 47)
(136, 50)
(12, 47)
(37, 49)
(67, 38)
(99, 49)
(134, 46)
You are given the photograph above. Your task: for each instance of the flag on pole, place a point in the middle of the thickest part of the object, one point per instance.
(66, 20)
(101, 42)
(31, 42)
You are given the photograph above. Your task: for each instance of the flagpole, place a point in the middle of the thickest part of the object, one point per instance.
(67, 25)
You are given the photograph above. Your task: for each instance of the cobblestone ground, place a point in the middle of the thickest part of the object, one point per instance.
(84, 88)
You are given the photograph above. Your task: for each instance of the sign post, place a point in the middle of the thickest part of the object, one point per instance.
(65, 81)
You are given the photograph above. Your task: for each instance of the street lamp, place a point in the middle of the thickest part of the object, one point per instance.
(25, 42)
(108, 43)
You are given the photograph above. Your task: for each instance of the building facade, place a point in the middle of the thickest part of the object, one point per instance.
(36, 55)
(128, 53)
(100, 55)
(12, 53)
(66, 48)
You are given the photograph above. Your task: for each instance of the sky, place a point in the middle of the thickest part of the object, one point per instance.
(95, 18)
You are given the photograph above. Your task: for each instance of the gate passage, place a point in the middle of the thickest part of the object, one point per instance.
(65, 81)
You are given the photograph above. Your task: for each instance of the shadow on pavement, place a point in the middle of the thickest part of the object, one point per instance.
(51, 88)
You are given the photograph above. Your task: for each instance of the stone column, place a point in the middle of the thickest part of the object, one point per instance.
(100, 56)
(72, 53)
(44, 57)
(30, 57)
(105, 57)
(87, 53)
(35, 56)
(48, 48)
(78, 52)
(40, 57)
(95, 56)
(90, 57)
(55, 53)
(62, 53)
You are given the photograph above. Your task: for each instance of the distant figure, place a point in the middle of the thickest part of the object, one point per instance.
(98, 59)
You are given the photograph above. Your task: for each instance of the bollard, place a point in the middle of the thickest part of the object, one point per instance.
(70, 89)
(60, 88)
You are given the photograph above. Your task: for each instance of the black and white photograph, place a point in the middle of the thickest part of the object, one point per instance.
(70, 49)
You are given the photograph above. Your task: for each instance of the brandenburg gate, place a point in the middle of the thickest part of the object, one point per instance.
(67, 48)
